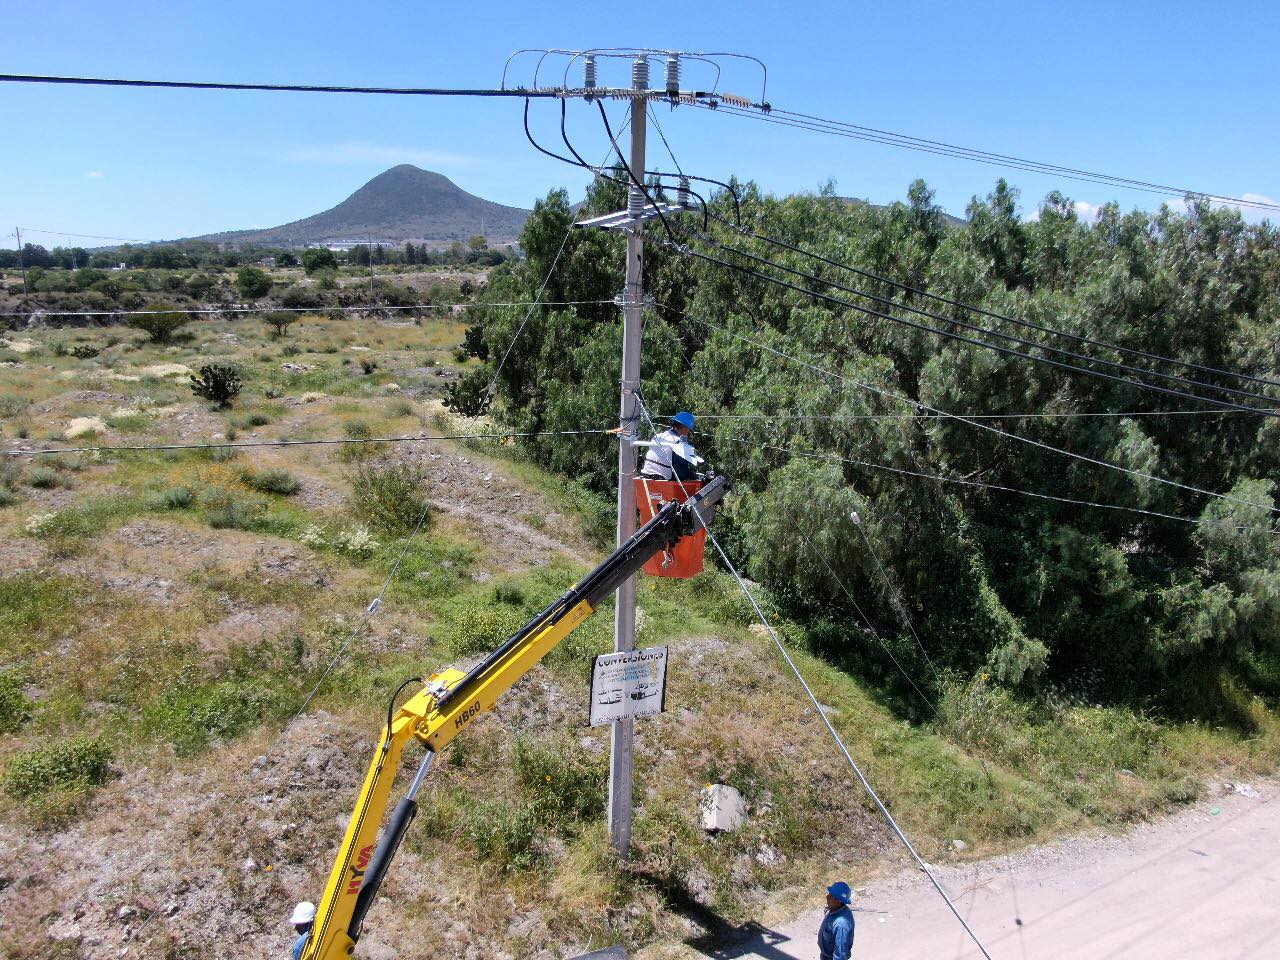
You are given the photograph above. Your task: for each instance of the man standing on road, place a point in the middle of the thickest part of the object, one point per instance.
(835, 936)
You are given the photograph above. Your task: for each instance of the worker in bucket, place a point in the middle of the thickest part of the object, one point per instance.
(671, 455)
(835, 936)
(304, 915)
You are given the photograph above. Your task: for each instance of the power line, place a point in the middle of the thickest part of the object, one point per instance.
(853, 764)
(368, 613)
(85, 236)
(977, 423)
(493, 382)
(983, 485)
(280, 87)
(1074, 414)
(992, 314)
(850, 131)
(1009, 351)
(1040, 166)
(241, 444)
(196, 311)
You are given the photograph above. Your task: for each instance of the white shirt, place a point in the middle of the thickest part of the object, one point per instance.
(658, 460)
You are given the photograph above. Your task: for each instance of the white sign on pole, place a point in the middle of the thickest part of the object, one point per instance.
(631, 684)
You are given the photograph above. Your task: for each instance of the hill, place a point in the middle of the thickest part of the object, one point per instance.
(403, 203)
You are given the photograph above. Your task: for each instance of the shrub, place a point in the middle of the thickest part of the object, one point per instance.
(300, 298)
(15, 705)
(226, 510)
(7, 497)
(194, 716)
(389, 498)
(279, 321)
(275, 480)
(77, 763)
(84, 351)
(160, 322)
(217, 382)
(249, 421)
(43, 478)
(360, 431)
(252, 283)
(368, 365)
(174, 498)
(356, 541)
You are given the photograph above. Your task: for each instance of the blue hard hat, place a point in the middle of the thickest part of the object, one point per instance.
(840, 890)
(684, 418)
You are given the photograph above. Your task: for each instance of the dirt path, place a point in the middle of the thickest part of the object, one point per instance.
(1202, 884)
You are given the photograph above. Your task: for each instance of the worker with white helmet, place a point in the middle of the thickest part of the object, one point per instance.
(304, 915)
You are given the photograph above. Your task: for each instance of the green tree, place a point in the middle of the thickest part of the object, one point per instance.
(279, 321)
(252, 283)
(160, 321)
(477, 243)
(316, 259)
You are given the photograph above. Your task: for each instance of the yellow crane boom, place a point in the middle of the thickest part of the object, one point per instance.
(448, 702)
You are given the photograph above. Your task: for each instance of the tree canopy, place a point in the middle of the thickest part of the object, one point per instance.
(1034, 591)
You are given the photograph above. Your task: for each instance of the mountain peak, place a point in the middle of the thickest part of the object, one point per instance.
(402, 203)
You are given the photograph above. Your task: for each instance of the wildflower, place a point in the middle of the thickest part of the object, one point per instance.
(38, 523)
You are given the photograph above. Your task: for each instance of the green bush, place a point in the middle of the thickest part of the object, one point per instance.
(78, 763)
(300, 298)
(390, 498)
(565, 783)
(43, 478)
(252, 283)
(502, 831)
(224, 509)
(160, 322)
(7, 497)
(85, 351)
(219, 383)
(15, 705)
(173, 498)
(193, 716)
(276, 480)
(479, 627)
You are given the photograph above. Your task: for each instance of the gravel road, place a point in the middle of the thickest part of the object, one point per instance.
(1204, 884)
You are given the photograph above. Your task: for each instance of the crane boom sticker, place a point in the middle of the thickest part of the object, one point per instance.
(632, 684)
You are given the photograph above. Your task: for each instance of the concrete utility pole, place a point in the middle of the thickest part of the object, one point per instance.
(624, 635)
(22, 264)
(631, 221)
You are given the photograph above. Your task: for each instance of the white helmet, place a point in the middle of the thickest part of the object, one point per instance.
(305, 912)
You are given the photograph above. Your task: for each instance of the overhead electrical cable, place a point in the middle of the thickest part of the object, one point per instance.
(246, 444)
(368, 613)
(198, 311)
(1074, 414)
(281, 87)
(848, 131)
(1053, 168)
(984, 485)
(821, 713)
(1080, 338)
(891, 395)
(1009, 351)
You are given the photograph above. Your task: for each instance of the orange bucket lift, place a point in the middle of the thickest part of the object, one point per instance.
(684, 560)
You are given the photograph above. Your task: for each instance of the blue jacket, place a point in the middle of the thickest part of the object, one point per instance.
(300, 944)
(835, 936)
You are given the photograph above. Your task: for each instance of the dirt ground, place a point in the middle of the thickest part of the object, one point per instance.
(1202, 884)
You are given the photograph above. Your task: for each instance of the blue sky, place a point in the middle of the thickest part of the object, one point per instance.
(1174, 92)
